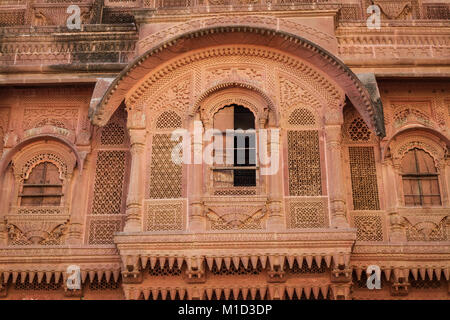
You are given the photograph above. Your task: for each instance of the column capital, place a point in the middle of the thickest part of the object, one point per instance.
(137, 136)
(333, 134)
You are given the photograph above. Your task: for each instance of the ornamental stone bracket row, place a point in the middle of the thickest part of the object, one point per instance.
(198, 261)
(398, 271)
(58, 274)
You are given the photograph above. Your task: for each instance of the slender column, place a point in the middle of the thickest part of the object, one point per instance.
(333, 132)
(398, 183)
(443, 177)
(74, 234)
(276, 214)
(133, 220)
(196, 214)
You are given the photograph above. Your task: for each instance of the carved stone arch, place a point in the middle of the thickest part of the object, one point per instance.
(289, 49)
(415, 139)
(24, 161)
(325, 40)
(436, 138)
(215, 98)
(294, 91)
(17, 150)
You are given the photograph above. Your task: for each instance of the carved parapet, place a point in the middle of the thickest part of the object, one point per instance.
(397, 231)
(249, 213)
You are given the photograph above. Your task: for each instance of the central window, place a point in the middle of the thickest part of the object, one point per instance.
(237, 129)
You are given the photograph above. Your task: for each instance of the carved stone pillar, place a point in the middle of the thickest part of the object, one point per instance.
(133, 220)
(276, 219)
(197, 221)
(333, 131)
(79, 198)
(396, 231)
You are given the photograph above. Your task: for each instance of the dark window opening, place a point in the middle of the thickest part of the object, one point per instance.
(240, 123)
(244, 147)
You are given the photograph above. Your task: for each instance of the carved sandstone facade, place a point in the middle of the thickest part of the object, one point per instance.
(360, 120)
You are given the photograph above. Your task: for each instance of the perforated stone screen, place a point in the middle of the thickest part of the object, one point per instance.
(165, 177)
(304, 163)
(364, 178)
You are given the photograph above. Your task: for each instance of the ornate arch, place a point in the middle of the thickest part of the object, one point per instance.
(289, 49)
(24, 161)
(17, 150)
(422, 140)
(219, 96)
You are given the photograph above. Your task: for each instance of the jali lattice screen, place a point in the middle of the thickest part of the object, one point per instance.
(165, 175)
(364, 178)
(369, 228)
(307, 212)
(164, 215)
(111, 159)
(304, 163)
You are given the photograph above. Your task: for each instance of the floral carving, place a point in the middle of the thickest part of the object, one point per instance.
(66, 118)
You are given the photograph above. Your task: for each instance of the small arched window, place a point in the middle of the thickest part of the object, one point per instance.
(43, 186)
(420, 179)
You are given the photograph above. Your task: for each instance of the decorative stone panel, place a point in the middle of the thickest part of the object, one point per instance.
(240, 213)
(370, 226)
(307, 212)
(165, 215)
(101, 230)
